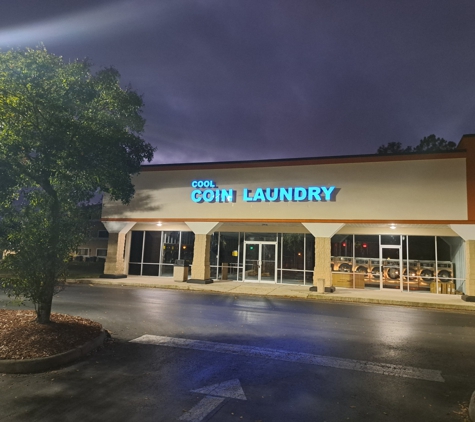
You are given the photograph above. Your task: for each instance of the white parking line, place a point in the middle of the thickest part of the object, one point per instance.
(340, 363)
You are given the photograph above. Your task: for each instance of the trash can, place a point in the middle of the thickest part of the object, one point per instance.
(180, 270)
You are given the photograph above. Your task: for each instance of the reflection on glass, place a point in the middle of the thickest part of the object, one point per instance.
(151, 252)
(294, 277)
(166, 270)
(268, 237)
(251, 267)
(170, 250)
(342, 245)
(267, 262)
(136, 244)
(391, 268)
(150, 269)
(187, 246)
(390, 240)
(293, 251)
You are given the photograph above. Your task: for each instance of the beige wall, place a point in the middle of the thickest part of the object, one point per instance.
(392, 190)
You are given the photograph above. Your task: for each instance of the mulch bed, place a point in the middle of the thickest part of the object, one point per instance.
(21, 337)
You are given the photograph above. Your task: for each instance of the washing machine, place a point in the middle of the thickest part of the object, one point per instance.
(342, 264)
(413, 270)
(362, 265)
(445, 270)
(374, 268)
(427, 271)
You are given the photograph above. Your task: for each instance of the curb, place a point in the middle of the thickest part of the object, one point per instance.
(471, 408)
(395, 302)
(31, 366)
(309, 296)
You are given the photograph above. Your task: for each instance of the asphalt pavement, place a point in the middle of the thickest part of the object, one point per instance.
(181, 355)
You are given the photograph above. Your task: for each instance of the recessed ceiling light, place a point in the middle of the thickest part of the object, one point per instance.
(159, 224)
(392, 226)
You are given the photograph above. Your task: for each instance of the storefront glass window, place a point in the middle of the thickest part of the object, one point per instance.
(136, 245)
(268, 237)
(390, 239)
(187, 246)
(154, 253)
(292, 258)
(229, 251)
(170, 248)
(342, 245)
(309, 255)
(152, 247)
(293, 251)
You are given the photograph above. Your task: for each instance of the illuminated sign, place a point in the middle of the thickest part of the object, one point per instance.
(208, 191)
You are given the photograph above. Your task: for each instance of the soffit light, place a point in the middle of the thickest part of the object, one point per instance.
(392, 226)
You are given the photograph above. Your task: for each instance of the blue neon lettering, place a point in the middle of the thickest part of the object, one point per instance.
(245, 195)
(208, 195)
(227, 195)
(196, 196)
(259, 195)
(273, 197)
(300, 194)
(328, 192)
(314, 193)
(285, 194)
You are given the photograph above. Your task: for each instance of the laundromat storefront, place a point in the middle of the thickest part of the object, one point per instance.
(403, 222)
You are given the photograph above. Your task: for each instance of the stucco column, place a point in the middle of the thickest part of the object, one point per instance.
(322, 262)
(201, 268)
(470, 268)
(115, 261)
(467, 233)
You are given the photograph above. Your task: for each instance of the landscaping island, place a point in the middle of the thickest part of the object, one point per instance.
(23, 339)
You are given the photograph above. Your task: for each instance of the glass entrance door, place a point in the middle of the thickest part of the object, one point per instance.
(391, 267)
(260, 262)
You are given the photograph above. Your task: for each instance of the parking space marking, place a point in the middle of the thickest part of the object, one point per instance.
(215, 395)
(202, 409)
(307, 358)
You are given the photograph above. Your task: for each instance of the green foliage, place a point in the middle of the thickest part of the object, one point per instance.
(65, 134)
(433, 144)
(428, 144)
(393, 148)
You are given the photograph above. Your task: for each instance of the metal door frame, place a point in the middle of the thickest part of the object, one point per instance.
(259, 272)
(381, 258)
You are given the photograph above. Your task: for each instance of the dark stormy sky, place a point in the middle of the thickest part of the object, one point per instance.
(256, 79)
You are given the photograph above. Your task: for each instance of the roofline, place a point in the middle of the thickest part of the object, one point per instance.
(285, 162)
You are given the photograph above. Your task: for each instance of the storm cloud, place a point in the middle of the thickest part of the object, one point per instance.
(244, 80)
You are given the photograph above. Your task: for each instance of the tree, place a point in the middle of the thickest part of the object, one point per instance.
(428, 144)
(65, 134)
(433, 144)
(393, 148)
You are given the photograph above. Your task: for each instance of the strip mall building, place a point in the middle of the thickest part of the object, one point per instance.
(400, 222)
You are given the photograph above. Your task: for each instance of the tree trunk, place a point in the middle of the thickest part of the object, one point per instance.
(43, 311)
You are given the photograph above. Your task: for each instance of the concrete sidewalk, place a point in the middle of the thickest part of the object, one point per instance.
(415, 299)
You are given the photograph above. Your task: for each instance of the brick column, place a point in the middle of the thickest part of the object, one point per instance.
(323, 261)
(470, 268)
(115, 261)
(201, 268)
